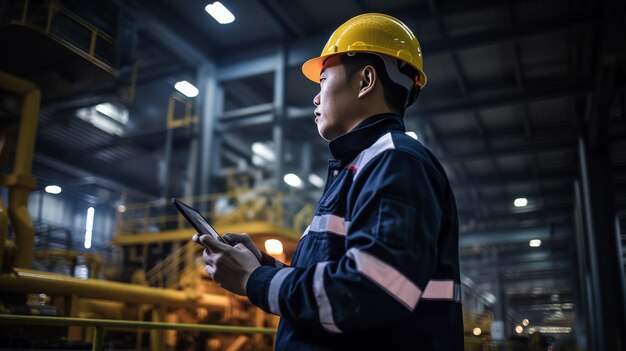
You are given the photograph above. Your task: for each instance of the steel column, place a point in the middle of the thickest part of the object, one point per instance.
(209, 107)
(599, 216)
(279, 114)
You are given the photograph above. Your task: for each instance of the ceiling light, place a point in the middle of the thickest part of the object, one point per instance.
(534, 243)
(121, 208)
(114, 112)
(53, 189)
(262, 150)
(186, 88)
(412, 135)
(525, 322)
(520, 202)
(477, 331)
(221, 14)
(273, 247)
(519, 329)
(316, 180)
(293, 180)
(89, 227)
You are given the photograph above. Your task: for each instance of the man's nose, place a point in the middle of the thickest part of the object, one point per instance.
(316, 100)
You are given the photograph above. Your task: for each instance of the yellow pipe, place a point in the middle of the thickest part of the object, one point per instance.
(32, 281)
(109, 324)
(253, 228)
(21, 181)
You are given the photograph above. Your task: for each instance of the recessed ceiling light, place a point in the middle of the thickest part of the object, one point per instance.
(293, 180)
(520, 202)
(316, 180)
(534, 243)
(53, 189)
(221, 14)
(186, 88)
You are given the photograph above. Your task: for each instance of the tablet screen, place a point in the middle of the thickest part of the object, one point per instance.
(195, 218)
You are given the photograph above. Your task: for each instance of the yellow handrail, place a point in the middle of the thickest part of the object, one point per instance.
(54, 9)
(100, 325)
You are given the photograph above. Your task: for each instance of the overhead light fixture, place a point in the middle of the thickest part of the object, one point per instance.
(89, 227)
(520, 202)
(412, 135)
(316, 180)
(108, 117)
(53, 189)
(186, 88)
(221, 14)
(293, 180)
(115, 112)
(121, 208)
(273, 247)
(534, 243)
(477, 331)
(263, 151)
(525, 322)
(519, 329)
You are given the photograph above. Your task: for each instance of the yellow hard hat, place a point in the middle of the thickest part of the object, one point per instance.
(375, 33)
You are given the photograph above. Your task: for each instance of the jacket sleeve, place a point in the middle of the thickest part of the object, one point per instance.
(267, 260)
(391, 249)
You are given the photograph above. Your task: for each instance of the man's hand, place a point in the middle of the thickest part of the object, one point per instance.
(244, 239)
(229, 266)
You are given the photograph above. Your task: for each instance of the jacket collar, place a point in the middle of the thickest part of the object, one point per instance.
(348, 146)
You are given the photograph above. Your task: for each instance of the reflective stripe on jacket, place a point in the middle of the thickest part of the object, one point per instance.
(378, 267)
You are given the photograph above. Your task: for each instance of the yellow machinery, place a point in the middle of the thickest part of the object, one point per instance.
(188, 296)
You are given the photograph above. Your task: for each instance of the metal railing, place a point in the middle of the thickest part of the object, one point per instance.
(70, 30)
(242, 205)
(100, 325)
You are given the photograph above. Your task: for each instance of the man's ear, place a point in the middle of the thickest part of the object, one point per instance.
(368, 79)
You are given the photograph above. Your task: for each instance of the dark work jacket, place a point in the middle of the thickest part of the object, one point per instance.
(378, 268)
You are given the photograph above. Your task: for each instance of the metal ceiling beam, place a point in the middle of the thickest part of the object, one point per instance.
(491, 37)
(561, 144)
(301, 50)
(99, 179)
(498, 237)
(555, 90)
(514, 179)
(285, 20)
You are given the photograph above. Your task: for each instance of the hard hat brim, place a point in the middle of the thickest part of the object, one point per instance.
(313, 67)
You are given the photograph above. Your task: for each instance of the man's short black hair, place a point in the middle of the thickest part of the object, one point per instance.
(396, 96)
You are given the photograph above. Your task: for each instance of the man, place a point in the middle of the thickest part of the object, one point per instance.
(378, 267)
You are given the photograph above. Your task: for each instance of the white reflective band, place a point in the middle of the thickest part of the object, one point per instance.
(387, 277)
(275, 284)
(323, 304)
(382, 144)
(306, 231)
(329, 223)
(441, 290)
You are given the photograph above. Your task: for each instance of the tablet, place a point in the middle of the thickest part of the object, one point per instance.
(196, 219)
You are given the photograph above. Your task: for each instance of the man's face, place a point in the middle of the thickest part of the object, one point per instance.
(336, 101)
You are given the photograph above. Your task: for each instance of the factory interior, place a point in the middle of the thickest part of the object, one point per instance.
(110, 108)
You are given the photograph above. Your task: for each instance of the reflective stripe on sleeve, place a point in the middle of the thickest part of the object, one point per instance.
(323, 304)
(329, 223)
(387, 277)
(442, 290)
(274, 289)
